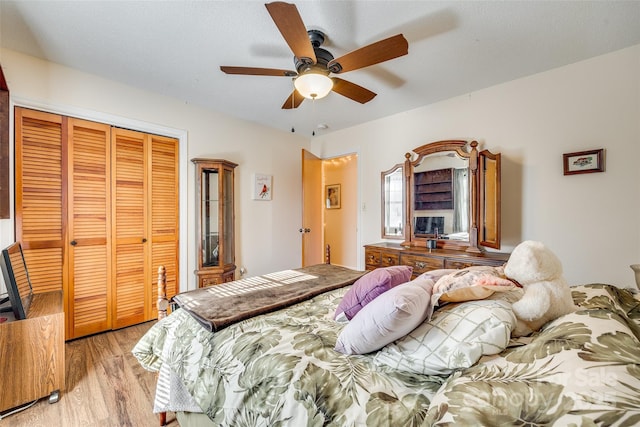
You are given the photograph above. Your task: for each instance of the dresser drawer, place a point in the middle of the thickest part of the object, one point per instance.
(457, 264)
(372, 258)
(388, 259)
(209, 281)
(421, 264)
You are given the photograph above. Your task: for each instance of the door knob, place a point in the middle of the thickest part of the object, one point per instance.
(73, 243)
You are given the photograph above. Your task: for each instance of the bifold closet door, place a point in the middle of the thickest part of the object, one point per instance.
(62, 213)
(88, 290)
(130, 250)
(165, 219)
(40, 199)
(96, 212)
(145, 222)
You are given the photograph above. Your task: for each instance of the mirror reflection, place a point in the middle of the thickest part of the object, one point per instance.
(441, 197)
(393, 203)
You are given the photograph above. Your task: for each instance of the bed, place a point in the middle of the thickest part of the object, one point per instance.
(281, 368)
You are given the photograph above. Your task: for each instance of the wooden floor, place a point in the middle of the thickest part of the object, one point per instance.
(106, 386)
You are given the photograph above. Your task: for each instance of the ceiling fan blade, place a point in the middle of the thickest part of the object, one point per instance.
(291, 26)
(293, 101)
(252, 71)
(374, 53)
(352, 90)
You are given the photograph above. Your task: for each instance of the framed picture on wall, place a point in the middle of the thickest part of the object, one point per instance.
(262, 186)
(583, 162)
(332, 196)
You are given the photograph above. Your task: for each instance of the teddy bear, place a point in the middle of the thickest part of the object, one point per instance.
(546, 296)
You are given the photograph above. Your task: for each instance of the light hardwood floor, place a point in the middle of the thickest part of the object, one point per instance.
(106, 387)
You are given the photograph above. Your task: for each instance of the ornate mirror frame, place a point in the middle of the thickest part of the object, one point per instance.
(484, 196)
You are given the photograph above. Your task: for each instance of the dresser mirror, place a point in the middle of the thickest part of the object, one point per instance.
(451, 197)
(393, 207)
(441, 197)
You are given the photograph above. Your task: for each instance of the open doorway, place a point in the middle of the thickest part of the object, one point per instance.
(330, 209)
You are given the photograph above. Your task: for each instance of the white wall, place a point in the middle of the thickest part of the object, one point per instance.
(267, 232)
(591, 221)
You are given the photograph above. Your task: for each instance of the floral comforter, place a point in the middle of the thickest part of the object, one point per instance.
(280, 369)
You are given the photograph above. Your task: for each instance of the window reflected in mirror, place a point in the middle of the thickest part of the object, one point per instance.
(393, 203)
(441, 197)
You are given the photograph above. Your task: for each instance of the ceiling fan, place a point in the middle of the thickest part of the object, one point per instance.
(314, 64)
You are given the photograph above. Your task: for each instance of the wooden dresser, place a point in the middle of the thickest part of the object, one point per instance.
(32, 363)
(423, 259)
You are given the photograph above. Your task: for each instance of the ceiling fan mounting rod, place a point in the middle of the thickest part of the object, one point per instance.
(316, 37)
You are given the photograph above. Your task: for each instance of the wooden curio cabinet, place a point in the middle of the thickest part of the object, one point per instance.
(215, 224)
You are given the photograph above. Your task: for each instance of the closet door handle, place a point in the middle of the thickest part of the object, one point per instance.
(73, 243)
(144, 240)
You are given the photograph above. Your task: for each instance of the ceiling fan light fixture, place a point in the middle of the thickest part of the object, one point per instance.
(313, 85)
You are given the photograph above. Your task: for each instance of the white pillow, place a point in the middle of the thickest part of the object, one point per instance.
(456, 337)
(390, 316)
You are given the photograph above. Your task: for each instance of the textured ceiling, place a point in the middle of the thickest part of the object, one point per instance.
(175, 48)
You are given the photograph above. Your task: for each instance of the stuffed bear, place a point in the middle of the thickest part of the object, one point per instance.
(547, 295)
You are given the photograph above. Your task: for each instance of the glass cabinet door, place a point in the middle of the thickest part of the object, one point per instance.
(209, 220)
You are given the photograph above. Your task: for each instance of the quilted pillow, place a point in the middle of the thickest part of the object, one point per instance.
(455, 338)
(471, 283)
(390, 316)
(369, 286)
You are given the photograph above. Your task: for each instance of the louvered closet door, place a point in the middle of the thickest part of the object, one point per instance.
(164, 206)
(89, 285)
(40, 171)
(131, 291)
(97, 213)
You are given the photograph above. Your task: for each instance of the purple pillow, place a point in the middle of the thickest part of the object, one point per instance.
(369, 286)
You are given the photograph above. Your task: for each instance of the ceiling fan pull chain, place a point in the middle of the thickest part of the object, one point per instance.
(315, 116)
